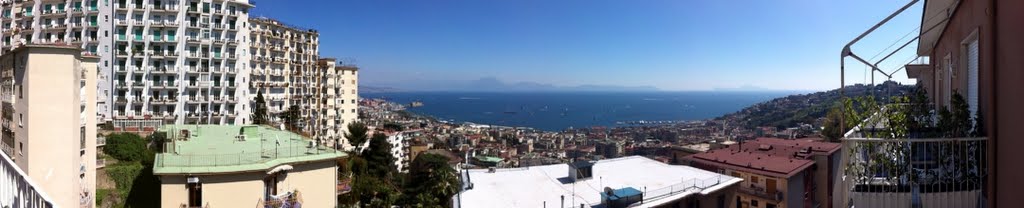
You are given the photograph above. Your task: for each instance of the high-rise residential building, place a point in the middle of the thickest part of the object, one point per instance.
(191, 61)
(284, 66)
(48, 120)
(178, 61)
(59, 22)
(338, 104)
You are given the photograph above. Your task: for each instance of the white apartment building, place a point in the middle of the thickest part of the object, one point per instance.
(48, 96)
(338, 104)
(179, 61)
(399, 145)
(190, 61)
(59, 22)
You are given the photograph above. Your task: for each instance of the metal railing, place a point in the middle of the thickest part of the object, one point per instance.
(910, 171)
(693, 184)
(270, 150)
(914, 172)
(17, 189)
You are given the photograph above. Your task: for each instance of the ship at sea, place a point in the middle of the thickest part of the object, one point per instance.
(415, 104)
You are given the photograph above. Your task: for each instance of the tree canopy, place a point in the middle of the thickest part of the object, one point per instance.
(356, 134)
(259, 113)
(291, 118)
(432, 182)
(128, 147)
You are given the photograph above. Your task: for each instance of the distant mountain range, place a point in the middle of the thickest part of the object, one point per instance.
(491, 84)
(809, 108)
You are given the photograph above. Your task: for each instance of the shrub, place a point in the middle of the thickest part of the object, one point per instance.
(126, 147)
(124, 175)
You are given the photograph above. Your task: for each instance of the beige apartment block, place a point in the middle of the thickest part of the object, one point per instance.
(244, 166)
(48, 116)
(338, 103)
(284, 66)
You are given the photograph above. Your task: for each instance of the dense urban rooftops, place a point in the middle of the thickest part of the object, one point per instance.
(768, 156)
(205, 149)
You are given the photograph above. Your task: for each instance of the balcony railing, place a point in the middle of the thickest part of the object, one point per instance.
(267, 153)
(926, 172)
(18, 189)
(101, 162)
(910, 171)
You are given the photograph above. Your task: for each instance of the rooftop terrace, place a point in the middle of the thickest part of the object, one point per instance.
(538, 186)
(209, 149)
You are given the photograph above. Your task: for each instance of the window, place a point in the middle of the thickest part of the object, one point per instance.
(947, 80)
(770, 205)
(969, 52)
(753, 203)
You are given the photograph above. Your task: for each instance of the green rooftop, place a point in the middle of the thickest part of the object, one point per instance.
(209, 149)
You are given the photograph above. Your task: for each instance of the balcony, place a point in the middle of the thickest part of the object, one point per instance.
(886, 163)
(19, 187)
(762, 193)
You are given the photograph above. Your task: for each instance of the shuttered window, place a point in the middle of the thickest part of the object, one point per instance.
(972, 77)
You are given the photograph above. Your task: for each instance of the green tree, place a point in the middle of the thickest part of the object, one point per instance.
(372, 192)
(955, 120)
(127, 147)
(432, 182)
(259, 110)
(831, 130)
(378, 156)
(291, 118)
(356, 134)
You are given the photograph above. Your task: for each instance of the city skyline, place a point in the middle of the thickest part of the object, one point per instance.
(669, 45)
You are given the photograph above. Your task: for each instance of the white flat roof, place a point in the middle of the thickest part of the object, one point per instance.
(533, 186)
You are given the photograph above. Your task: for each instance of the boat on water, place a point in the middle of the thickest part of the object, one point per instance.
(416, 104)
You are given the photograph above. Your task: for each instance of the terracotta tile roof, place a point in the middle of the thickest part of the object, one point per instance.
(767, 156)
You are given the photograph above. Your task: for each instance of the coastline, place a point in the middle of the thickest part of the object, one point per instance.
(562, 111)
(624, 124)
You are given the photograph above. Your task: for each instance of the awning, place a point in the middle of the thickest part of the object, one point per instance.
(936, 13)
(279, 169)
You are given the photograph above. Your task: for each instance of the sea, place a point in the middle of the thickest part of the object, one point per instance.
(556, 111)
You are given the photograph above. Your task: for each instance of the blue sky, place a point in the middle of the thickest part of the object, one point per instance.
(668, 44)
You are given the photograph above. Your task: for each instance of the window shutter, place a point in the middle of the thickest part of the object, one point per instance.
(972, 77)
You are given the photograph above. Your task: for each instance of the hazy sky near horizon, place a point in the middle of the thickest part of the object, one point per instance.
(668, 44)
